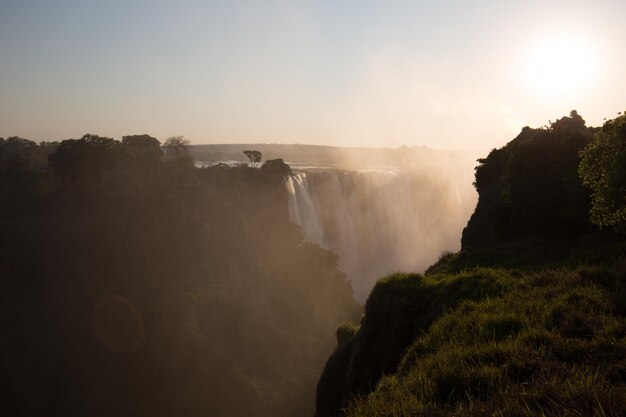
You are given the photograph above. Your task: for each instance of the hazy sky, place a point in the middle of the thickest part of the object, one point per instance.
(445, 74)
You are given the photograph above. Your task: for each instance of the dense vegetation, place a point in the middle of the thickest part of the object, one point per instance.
(603, 169)
(528, 319)
(134, 285)
(532, 186)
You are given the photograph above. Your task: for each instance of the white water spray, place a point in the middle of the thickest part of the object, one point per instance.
(379, 222)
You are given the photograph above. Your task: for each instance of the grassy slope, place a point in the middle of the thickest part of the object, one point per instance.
(542, 336)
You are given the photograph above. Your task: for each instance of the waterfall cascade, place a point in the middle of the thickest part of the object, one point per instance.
(380, 222)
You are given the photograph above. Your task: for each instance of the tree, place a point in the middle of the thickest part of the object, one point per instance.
(16, 152)
(255, 157)
(603, 170)
(142, 150)
(178, 144)
(276, 166)
(87, 157)
(532, 186)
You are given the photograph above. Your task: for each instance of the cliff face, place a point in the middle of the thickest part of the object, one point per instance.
(399, 309)
(499, 328)
(531, 186)
(514, 342)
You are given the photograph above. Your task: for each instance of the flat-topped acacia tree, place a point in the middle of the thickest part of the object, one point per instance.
(255, 157)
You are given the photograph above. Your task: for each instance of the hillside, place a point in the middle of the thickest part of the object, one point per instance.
(529, 318)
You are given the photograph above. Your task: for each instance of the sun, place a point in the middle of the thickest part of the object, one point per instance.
(560, 66)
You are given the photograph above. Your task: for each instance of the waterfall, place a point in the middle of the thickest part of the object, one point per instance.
(380, 222)
(302, 208)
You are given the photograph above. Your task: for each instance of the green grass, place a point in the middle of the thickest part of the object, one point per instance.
(546, 342)
(535, 254)
(399, 309)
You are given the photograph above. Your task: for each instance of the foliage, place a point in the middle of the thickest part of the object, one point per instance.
(135, 286)
(23, 177)
(603, 170)
(531, 186)
(177, 144)
(143, 150)
(255, 157)
(345, 333)
(276, 166)
(92, 156)
(18, 153)
(87, 158)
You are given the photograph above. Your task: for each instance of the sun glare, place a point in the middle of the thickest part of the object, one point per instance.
(560, 66)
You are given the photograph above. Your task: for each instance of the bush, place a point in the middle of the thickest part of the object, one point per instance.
(603, 170)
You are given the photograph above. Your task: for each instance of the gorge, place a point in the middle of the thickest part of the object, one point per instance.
(383, 220)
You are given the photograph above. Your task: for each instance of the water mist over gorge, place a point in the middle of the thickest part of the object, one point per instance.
(381, 210)
(312, 209)
(159, 288)
(381, 221)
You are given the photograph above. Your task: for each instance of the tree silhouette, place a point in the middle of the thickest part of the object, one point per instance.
(87, 157)
(142, 150)
(178, 144)
(255, 157)
(532, 186)
(16, 152)
(276, 166)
